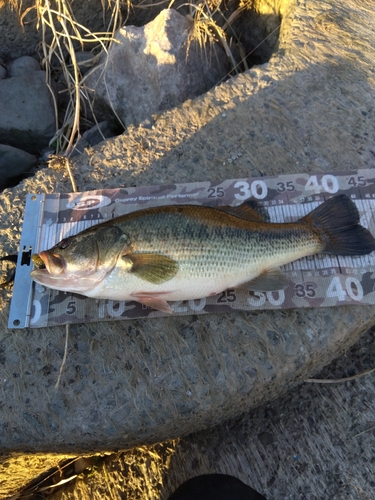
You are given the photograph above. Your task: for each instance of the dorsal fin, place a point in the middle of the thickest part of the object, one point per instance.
(248, 210)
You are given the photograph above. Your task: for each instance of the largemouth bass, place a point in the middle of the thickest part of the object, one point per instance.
(184, 252)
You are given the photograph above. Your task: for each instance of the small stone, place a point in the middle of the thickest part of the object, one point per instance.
(13, 163)
(98, 133)
(22, 66)
(148, 123)
(85, 61)
(266, 438)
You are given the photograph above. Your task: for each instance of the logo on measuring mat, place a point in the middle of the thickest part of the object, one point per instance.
(89, 202)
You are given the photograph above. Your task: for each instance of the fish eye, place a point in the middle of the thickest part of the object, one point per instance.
(64, 243)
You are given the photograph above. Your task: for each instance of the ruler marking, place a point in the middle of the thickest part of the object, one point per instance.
(65, 215)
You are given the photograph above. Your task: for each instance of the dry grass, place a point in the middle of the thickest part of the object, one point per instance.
(68, 36)
(63, 36)
(211, 24)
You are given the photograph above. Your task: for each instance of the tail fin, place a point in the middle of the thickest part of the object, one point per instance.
(337, 221)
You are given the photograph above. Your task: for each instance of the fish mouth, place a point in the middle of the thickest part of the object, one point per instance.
(50, 263)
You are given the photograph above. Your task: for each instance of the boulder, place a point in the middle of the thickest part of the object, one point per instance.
(27, 117)
(14, 163)
(153, 68)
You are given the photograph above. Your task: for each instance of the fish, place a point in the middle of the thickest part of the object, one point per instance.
(184, 252)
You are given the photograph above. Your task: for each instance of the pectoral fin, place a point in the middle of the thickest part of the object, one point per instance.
(152, 267)
(268, 281)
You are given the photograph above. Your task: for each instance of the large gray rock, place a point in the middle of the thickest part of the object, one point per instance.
(153, 68)
(13, 163)
(27, 117)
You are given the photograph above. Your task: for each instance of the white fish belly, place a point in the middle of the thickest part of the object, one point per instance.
(118, 287)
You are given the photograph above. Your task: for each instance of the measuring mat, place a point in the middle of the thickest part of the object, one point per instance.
(315, 281)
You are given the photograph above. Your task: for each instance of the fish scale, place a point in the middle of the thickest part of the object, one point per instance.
(198, 242)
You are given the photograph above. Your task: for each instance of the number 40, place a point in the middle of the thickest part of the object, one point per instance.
(352, 287)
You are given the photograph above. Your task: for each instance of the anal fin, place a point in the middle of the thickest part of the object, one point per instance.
(268, 281)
